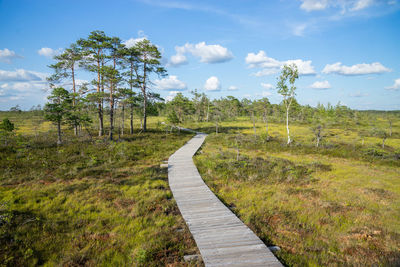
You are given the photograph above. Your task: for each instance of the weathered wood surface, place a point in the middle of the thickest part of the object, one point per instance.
(223, 240)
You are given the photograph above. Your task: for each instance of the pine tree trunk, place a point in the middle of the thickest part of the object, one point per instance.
(144, 127)
(144, 97)
(131, 120)
(111, 114)
(123, 119)
(208, 110)
(287, 125)
(100, 102)
(59, 141)
(73, 97)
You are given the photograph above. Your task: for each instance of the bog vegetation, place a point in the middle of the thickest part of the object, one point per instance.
(80, 180)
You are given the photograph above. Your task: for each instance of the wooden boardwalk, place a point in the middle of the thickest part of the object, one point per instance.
(223, 240)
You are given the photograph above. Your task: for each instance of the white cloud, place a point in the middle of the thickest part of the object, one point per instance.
(345, 5)
(358, 69)
(232, 88)
(361, 4)
(132, 41)
(304, 67)
(49, 52)
(212, 84)
(311, 5)
(271, 66)
(267, 86)
(266, 93)
(78, 82)
(178, 59)
(170, 83)
(7, 55)
(261, 60)
(321, 85)
(395, 86)
(206, 53)
(171, 95)
(22, 87)
(299, 29)
(21, 75)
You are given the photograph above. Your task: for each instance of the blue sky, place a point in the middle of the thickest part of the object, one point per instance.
(346, 51)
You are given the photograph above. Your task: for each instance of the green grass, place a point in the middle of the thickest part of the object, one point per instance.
(91, 202)
(332, 206)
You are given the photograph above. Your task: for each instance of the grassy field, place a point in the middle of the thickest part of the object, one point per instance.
(94, 202)
(89, 202)
(329, 206)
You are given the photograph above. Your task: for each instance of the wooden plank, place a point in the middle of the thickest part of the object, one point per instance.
(223, 240)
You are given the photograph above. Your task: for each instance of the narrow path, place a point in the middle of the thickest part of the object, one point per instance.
(223, 240)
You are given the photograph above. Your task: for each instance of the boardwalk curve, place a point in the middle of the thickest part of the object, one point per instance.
(222, 238)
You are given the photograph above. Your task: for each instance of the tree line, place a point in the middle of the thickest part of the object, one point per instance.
(121, 85)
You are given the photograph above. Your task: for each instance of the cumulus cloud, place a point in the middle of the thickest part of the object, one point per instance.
(26, 90)
(170, 83)
(321, 85)
(271, 66)
(132, 41)
(232, 88)
(206, 53)
(49, 52)
(395, 86)
(178, 59)
(212, 84)
(358, 69)
(7, 55)
(21, 84)
(267, 86)
(261, 60)
(20, 75)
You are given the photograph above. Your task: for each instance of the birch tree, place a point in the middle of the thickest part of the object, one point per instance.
(287, 89)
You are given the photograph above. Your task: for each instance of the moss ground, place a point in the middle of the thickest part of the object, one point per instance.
(90, 202)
